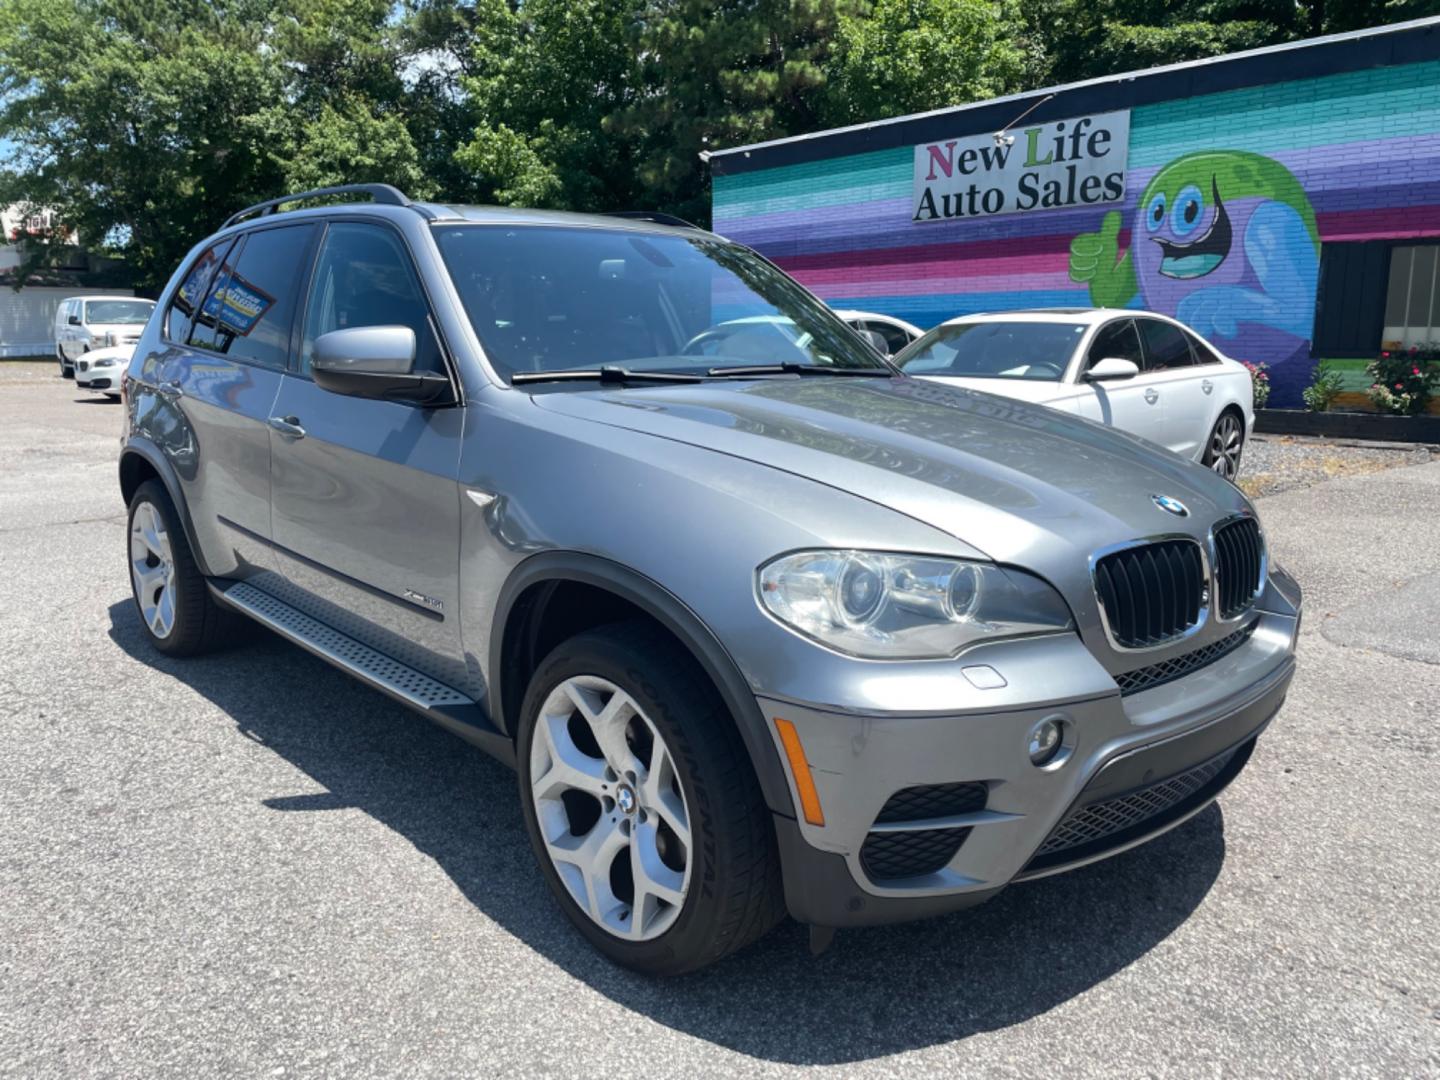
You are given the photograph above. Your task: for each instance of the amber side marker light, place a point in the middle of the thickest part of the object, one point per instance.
(800, 769)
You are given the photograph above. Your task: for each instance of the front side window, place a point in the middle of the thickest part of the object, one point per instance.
(1119, 341)
(995, 350)
(1165, 346)
(363, 277)
(122, 312)
(250, 309)
(545, 298)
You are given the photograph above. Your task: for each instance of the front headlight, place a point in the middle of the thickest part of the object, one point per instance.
(910, 607)
(109, 361)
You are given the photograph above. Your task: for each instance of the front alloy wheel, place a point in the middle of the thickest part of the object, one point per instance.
(1226, 441)
(610, 809)
(641, 803)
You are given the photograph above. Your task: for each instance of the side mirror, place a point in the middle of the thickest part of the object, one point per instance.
(1111, 369)
(74, 320)
(376, 362)
(876, 341)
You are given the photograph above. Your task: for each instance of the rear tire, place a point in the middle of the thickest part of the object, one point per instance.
(603, 818)
(1225, 446)
(175, 607)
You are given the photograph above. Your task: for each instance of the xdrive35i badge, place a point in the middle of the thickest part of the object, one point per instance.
(1170, 506)
(420, 598)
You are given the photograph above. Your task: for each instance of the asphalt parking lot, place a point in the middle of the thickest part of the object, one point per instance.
(250, 864)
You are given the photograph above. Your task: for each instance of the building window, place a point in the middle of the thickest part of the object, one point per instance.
(1412, 302)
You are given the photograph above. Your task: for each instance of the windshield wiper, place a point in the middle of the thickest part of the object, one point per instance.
(790, 368)
(606, 374)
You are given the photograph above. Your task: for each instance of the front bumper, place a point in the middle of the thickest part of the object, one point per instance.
(1186, 739)
(105, 378)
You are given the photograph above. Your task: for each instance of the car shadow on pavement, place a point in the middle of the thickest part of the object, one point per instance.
(876, 992)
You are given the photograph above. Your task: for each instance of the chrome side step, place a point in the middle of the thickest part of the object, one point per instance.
(443, 704)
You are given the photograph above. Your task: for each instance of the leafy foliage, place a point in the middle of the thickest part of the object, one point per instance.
(1404, 379)
(1325, 386)
(1259, 382)
(144, 123)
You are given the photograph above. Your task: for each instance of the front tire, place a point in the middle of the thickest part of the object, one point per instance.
(641, 804)
(175, 607)
(1225, 446)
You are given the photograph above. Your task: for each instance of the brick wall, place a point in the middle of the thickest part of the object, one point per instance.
(1364, 146)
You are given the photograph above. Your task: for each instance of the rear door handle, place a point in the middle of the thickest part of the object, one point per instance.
(288, 426)
(1152, 395)
(171, 389)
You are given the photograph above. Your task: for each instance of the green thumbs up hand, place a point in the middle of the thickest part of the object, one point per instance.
(1095, 258)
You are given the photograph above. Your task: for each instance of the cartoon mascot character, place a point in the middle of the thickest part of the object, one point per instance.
(1225, 241)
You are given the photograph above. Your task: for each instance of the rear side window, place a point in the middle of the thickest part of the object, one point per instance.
(1116, 340)
(250, 309)
(187, 297)
(1165, 346)
(363, 277)
(1203, 353)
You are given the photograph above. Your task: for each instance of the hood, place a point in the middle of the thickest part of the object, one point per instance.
(1021, 483)
(122, 353)
(1040, 391)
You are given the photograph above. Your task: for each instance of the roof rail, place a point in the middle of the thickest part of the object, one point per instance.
(652, 215)
(380, 193)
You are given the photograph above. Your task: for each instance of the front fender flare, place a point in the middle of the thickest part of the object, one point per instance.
(673, 614)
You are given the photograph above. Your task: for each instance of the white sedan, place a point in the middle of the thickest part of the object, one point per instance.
(1144, 373)
(100, 369)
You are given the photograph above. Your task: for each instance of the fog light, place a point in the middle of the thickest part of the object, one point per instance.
(1046, 739)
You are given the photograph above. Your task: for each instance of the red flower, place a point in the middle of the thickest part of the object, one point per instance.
(1415, 371)
(1386, 355)
(1399, 386)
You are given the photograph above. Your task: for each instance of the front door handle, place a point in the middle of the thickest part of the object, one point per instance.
(288, 426)
(1152, 395)
(1207, 385)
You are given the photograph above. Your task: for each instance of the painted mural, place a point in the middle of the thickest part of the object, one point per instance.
(1344, 157)
(1223, 240)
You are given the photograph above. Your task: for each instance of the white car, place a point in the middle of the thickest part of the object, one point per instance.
(1143, 373)
(83, 323)
(897, 332)
(100, 369)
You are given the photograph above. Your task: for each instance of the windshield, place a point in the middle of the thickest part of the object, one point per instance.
(995, 350)
(547, 298)
(118, 311)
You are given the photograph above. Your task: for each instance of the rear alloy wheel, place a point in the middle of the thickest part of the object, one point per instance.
(641, 803)
(1227, 441)
(171, 597)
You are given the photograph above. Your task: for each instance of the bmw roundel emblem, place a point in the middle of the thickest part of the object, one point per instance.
(1170, 506)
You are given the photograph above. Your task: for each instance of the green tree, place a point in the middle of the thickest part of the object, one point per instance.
(721, 73)
(906, 56)
(541, 81)
(141, 124)
(1081, 39)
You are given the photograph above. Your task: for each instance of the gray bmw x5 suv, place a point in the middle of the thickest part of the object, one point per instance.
(762, 624)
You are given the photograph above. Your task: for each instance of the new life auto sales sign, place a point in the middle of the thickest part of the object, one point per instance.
(1075, 162)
